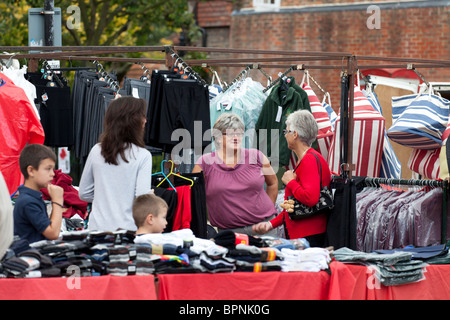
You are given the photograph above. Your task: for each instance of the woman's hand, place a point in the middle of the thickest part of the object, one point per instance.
(262, 227)
(288, 176)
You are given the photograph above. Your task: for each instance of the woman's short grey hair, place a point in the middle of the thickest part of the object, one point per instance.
(303, 122)
(227, 121)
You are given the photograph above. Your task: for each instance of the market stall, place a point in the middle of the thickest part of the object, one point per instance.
(230, 274)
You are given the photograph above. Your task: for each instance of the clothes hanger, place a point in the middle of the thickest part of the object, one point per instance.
(281, 76)
(269, 78)
(178, 175)
(165, 177)
(215, 76)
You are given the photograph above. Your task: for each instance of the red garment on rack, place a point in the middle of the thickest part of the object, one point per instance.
(19, 126)
(71, 197)
(182, 217)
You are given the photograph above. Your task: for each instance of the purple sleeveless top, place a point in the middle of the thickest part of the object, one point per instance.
(235, 197)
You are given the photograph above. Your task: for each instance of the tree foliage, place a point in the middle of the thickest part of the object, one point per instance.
(101, 22)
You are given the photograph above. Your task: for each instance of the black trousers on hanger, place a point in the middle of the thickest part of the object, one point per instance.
(56, 115)
(341, 225)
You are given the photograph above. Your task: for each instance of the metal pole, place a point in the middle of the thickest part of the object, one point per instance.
(49, 12)
(351, 90)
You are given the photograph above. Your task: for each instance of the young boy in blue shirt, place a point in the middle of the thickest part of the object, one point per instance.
(31, 221)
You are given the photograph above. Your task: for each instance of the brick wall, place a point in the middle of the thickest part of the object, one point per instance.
(412, 29)
(410, 32)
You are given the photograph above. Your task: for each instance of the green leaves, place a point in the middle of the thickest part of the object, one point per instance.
(101, 22)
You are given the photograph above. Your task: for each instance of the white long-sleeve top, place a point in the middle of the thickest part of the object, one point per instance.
(112, 188)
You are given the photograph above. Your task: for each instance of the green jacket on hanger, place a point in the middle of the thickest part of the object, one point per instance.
(278, 106)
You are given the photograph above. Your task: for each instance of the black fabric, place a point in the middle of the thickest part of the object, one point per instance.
(316, 240)
(183, 103)
(55, 110)
(176, 104)
(420, 252)
(199, 214)
(171, 199)
(154, 107)
(90, 99)
(342, 221)
(227, 239)
(142, 87)
(56, 116)
(344, 120)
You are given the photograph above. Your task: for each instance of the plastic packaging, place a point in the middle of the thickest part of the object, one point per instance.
(19, 126)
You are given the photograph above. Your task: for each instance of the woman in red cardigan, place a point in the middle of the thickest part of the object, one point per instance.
(303, 182)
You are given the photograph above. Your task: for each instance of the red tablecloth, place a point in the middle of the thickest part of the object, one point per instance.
(435, 286)
(346, 282)
(259, 286)
(81, 288)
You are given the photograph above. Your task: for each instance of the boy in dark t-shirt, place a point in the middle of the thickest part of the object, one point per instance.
(31, 221)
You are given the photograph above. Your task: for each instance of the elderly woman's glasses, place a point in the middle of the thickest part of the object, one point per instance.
(285, 131)
(231, 134)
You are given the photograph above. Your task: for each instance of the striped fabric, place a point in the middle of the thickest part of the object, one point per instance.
(419, 120)
(425, 162)
(368, 139)
(391, 167)
(445, 135)
(317, 109)
(325, 134)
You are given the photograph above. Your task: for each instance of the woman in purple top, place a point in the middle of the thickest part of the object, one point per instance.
(235, 177)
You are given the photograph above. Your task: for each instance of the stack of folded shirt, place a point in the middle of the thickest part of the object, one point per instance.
(399, 273)
(393, 268)
(310, 259)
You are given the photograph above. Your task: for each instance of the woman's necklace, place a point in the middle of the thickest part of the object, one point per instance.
(300, 159)
(304, 153)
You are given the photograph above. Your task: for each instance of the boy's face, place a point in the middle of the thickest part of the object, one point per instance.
(43, 175)
(160, 222)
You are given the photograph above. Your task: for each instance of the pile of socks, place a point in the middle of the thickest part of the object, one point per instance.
(84, 253)
(228, 251)
(214, 260)
(121, 253)
(131, 259)
(23, 261)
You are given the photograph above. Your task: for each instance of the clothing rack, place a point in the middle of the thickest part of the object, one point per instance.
(147, 73)
(184, 65)
(349, 64)
(282, 75)
(102, 72)
(368, 181)
(407, 182)
(245, 71)
(238, 77)
(48, 68)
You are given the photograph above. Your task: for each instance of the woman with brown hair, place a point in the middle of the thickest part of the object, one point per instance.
(118, 168)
